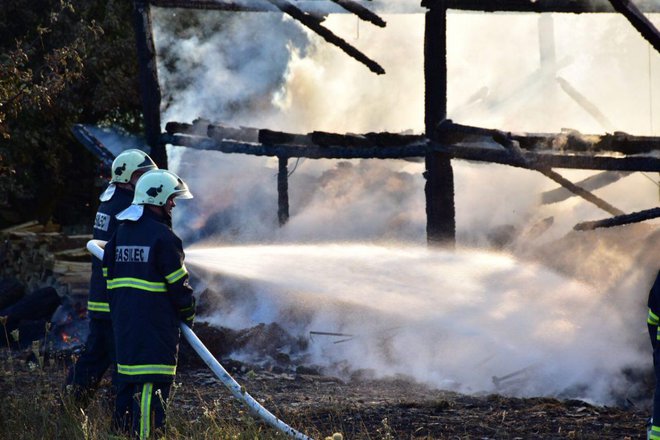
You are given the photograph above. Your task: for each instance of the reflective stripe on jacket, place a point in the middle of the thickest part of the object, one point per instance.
(147, 283)
(653, 315)
(105, 225)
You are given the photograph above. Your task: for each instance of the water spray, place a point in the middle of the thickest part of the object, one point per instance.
(95, 247)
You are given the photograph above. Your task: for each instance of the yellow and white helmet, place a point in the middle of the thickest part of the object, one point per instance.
(156, 186)
(129, 161)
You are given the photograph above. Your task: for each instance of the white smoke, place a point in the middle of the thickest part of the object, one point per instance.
(452, 319)
(285, 78)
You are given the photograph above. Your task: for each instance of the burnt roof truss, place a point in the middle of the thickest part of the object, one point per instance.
(443, 139)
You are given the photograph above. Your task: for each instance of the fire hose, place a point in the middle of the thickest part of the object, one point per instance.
(95, 247)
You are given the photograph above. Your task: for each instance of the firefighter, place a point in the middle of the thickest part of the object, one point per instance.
(653, 321)
(84, 376)
(147, 283)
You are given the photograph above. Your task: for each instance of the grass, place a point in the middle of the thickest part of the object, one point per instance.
(33, 405)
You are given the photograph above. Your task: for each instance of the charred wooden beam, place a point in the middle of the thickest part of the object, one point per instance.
(459, 141)
(282, 138)
(439, 174)
(517, 153)
(203, 127)
(568, 141)
(243, 134)
(582, 162)
(184, 127)
(494, 153)
(572, 141)
(148, 76)
(579, 191)
(632, 163)
(283, 190)
(210, 5)
(318, 7)
(591, 183)
(625, 219)
(483, 144)
(639, 21)
(570, 6)
(575, 6)
(384, 139)
(313, 24)
(585, 103)
(419, 149)
(362, 12)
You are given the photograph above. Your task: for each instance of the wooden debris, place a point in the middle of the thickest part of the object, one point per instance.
(517, 153)
(385, 139)
(517, 376)
(283, 190)
(624, 219)
(210, 5)
(585, 103)
(27, 226)
(591, 183)
(272, 137)
(578, 191)
(362, 12)
(41, 260)
(345, 336)
(568, 149)
(639, 21)
(567, 141)
(313, 24)
(574, 6)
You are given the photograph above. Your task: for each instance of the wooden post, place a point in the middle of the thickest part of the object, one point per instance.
(439, 188)
(283, 190)
(148, 76)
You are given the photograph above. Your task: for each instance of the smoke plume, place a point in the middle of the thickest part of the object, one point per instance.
(522, 293)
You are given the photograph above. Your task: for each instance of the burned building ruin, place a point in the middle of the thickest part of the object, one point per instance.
(616, 153)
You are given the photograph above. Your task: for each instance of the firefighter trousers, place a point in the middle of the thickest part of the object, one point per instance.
(140, 407)
(99, 354)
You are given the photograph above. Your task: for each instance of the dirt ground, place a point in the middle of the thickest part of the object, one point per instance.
(401, 409)
(363, 408)
(396, 408)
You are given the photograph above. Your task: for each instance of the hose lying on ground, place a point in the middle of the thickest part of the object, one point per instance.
(95, 247)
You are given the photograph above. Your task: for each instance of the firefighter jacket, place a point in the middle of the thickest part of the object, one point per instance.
(113, 200)
(147, 283)
(653, 318)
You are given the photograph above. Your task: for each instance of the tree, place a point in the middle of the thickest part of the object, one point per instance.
(61, 62)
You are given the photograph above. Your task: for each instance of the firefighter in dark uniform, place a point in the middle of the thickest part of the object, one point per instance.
(652, 321)
(84, 376)
(147, 284)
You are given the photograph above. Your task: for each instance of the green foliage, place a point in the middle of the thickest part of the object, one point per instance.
(61, 62)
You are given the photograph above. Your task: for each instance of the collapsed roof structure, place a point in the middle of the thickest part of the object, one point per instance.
(443, 140)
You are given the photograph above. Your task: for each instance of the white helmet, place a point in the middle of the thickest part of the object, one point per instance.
(156, 186)
(128, 162)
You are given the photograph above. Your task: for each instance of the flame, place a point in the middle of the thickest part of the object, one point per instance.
(66, 338)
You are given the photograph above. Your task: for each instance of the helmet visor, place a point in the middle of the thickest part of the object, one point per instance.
(181, 190)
